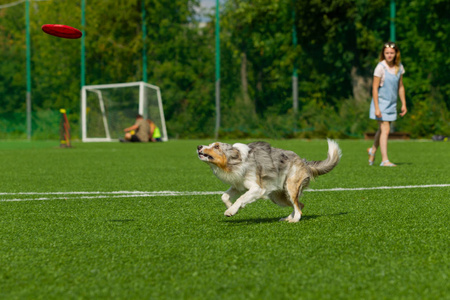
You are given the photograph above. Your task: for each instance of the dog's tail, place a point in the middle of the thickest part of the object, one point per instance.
(324, 166)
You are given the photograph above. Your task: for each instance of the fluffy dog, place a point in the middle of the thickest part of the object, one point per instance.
(259, 171)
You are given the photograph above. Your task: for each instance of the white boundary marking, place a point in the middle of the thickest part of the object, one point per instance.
(380, 188)
(132, 194)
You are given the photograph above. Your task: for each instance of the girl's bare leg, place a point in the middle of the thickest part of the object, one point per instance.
(376, 143)
(384, 129)
(376, 140)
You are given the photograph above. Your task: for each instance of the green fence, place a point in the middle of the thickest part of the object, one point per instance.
(45, 125)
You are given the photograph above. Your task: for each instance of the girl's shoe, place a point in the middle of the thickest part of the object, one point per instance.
(371, 156)
(387, 163)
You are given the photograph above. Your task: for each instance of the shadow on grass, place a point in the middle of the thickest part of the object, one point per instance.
(121, 221)
(304, 218)
(403, 163)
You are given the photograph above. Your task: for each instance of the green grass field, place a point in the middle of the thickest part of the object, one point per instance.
(58, 243)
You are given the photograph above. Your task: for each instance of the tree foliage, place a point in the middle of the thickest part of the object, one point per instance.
(338, 43)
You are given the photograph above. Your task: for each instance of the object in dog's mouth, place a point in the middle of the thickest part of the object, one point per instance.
(203, 155)
(260, 171)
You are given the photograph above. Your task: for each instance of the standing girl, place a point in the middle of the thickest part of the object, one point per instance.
(387, 85)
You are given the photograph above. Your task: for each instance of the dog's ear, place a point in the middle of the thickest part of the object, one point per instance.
(234, 157)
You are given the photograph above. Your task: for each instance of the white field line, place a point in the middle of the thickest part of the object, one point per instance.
(380, 188)
(131, 194)
(99, 195)
(169, 193)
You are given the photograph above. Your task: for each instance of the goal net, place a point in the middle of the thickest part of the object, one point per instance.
(109, 108)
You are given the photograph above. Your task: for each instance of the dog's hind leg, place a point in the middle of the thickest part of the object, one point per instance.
(295, 186)
(229, 196)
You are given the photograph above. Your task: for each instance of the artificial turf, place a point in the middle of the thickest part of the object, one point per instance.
(350, 244)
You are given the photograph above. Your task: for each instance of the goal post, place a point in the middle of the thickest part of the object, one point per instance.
(107, 109)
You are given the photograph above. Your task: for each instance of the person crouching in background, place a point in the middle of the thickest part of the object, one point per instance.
(141, 131)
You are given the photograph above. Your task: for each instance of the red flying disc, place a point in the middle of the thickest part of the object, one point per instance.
(62, 31)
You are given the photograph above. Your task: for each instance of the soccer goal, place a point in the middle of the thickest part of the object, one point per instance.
(107, 109)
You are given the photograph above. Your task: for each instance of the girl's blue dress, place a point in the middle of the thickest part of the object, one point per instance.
(387, 97)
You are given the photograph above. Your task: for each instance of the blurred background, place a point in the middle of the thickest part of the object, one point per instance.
(288, 68)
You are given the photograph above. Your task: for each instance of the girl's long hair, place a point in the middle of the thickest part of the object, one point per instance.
(397, 54)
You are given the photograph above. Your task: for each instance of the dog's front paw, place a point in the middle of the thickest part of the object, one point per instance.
(231, 211)
(226, 200)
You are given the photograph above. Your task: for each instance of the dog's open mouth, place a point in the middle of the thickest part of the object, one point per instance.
(204, 156)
